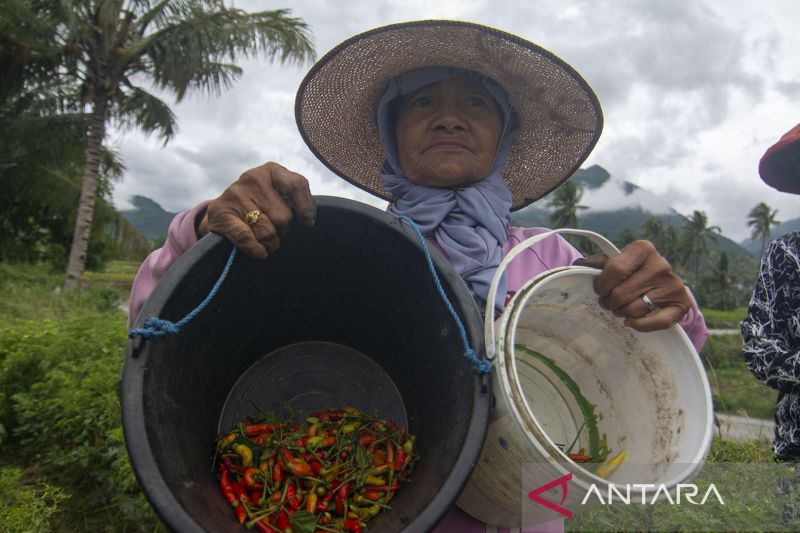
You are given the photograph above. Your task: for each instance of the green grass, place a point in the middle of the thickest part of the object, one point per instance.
(33, 292)
(735, 390)
(717, 319)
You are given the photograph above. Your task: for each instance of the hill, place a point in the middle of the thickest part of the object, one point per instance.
(149, 218)
(615, 205)
(754, 247)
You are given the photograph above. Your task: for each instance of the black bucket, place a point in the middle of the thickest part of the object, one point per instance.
(345, 313)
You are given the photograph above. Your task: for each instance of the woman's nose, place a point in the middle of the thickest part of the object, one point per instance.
(449, 118)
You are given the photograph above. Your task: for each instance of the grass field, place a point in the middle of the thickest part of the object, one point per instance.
(717, 319)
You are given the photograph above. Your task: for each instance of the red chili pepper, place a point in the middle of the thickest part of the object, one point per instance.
(316, 467)
(255, 497)
(283, 520)
(339, 506)
(277, 474)
(335, 415)
(226, 487)
(249, 479)
(366, 440)
(264, 528)
(352, 526)
(242, 497)
(579, 457)
(251, 430)
(301, 442)
(343, 491)
(390, 454)
(399, 460)
(297, 467)
(373, 495)
(328, 441)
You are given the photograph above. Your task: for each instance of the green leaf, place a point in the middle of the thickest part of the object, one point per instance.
(303, 522)
(362, 458)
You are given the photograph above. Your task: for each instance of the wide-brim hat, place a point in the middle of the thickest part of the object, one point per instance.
(560, 116)
(780, 165)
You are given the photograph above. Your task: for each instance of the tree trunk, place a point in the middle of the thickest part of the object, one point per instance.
(83, 220)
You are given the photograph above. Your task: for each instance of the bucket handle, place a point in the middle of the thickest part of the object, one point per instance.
(606, 246)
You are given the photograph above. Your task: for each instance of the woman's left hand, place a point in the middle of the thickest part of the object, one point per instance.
(637, 272)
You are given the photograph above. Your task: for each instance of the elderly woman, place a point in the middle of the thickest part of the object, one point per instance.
(456, 125)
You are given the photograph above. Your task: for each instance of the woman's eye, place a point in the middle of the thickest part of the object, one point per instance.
(420, 101)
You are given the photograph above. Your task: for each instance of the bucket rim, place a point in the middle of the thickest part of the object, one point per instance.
(137, 442)
(507, 377)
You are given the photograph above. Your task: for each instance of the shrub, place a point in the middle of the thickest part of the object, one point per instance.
(61, 408)
(27, 507)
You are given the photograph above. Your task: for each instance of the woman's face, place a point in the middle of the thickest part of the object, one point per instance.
(447, 133)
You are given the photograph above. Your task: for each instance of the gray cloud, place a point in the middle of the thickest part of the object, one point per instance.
(691, 92)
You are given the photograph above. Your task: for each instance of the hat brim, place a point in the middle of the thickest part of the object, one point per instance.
(560, 116)
(780, 165)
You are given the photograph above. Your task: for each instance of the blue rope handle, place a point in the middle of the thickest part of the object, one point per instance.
(156, 327)
(482, 366)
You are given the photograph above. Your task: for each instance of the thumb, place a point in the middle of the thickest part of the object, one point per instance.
(592, 261)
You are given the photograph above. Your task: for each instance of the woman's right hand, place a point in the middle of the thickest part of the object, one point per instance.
(279, 194)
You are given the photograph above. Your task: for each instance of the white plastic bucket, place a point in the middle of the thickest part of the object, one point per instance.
(649, 392)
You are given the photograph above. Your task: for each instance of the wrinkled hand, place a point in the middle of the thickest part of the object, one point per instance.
(640, 270)
(279, 194)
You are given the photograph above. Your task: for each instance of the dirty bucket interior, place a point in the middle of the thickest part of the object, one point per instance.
(570, 374)
(344, 314)
(591, 381)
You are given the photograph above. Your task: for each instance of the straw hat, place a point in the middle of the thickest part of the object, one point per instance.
(780, 165)
(560, 117)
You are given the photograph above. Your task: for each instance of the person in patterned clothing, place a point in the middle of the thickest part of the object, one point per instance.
(771, 330)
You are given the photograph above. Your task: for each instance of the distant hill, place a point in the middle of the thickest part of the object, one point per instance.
(615, 205)
(149, 218)
(754, 247)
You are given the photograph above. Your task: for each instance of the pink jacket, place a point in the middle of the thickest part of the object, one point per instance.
(550, 253)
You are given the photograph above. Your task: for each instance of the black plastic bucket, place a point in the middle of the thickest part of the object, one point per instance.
(345, 313)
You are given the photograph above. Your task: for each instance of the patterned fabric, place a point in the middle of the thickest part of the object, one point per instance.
(771, 334)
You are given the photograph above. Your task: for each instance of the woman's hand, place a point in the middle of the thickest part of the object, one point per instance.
(280, 195)
(637, 272)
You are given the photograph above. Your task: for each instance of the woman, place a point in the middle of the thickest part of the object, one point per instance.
(456, 125)
(770, 330)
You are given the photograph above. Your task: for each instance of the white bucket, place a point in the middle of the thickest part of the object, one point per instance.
(649, 391)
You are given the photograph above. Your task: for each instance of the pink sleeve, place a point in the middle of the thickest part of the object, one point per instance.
(180, 237)
(555, 252)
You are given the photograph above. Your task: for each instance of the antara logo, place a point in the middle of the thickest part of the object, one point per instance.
(562, 481)
(623, 494)
(688, 491)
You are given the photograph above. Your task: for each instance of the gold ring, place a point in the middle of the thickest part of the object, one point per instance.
(252, 217)
(648, 303)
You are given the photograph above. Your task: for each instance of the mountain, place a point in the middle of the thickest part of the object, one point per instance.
(754, 247)
(149, 218)
(615, 205)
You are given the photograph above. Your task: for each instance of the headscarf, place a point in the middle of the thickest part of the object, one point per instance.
(471, 222)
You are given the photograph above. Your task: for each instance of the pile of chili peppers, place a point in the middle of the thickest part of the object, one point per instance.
(332, 473)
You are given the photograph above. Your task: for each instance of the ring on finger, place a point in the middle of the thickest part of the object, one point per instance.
(252, 217)
(648, 303)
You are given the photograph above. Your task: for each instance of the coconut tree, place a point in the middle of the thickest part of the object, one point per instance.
(696, 234)
(761, 219)
(566, 203)
(112, 47)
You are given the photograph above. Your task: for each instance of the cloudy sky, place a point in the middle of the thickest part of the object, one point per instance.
(693, 92)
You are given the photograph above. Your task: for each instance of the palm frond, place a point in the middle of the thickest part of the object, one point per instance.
(137, 107)
(191, 52)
